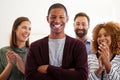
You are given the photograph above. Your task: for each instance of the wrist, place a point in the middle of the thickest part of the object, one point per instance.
(98, 75)
(108, 68)
(10, 64)
(99, 71)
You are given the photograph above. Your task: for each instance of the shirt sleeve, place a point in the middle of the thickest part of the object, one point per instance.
(92, 66)
(31, 66)
(1, 58)
(114, 72)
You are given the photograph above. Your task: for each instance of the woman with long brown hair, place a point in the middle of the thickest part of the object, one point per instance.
(12, 57)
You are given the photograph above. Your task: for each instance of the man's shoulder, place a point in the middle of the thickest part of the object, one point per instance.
(74, 41)
(40, 41)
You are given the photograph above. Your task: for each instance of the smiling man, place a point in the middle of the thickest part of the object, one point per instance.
(57, 56)
(81, 26)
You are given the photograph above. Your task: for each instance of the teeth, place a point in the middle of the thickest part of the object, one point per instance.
(103, 42)
(25, 35)
(57, 25)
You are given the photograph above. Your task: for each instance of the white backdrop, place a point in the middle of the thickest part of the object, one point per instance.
(99, 11)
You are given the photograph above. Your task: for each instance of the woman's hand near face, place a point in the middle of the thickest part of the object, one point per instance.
(104, 52)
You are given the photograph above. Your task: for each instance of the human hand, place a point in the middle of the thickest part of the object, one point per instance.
(19, 63)
(10, 57)
(43, 69)
(101, 66)
(72, 69)
(104, 53)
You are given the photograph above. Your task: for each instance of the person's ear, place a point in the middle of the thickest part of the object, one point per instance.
(47, 19)
(67, 18)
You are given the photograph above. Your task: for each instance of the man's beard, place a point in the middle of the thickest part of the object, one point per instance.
(81, 35)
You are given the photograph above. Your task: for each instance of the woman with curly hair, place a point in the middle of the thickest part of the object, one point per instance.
(104, 63)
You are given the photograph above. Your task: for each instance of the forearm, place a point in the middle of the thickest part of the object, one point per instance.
(35, 75)
(23, 70)
(99, 71)
(108, 67)
(66, 74)
(6, 71)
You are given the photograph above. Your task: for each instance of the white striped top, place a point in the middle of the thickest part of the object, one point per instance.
(93, 64)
